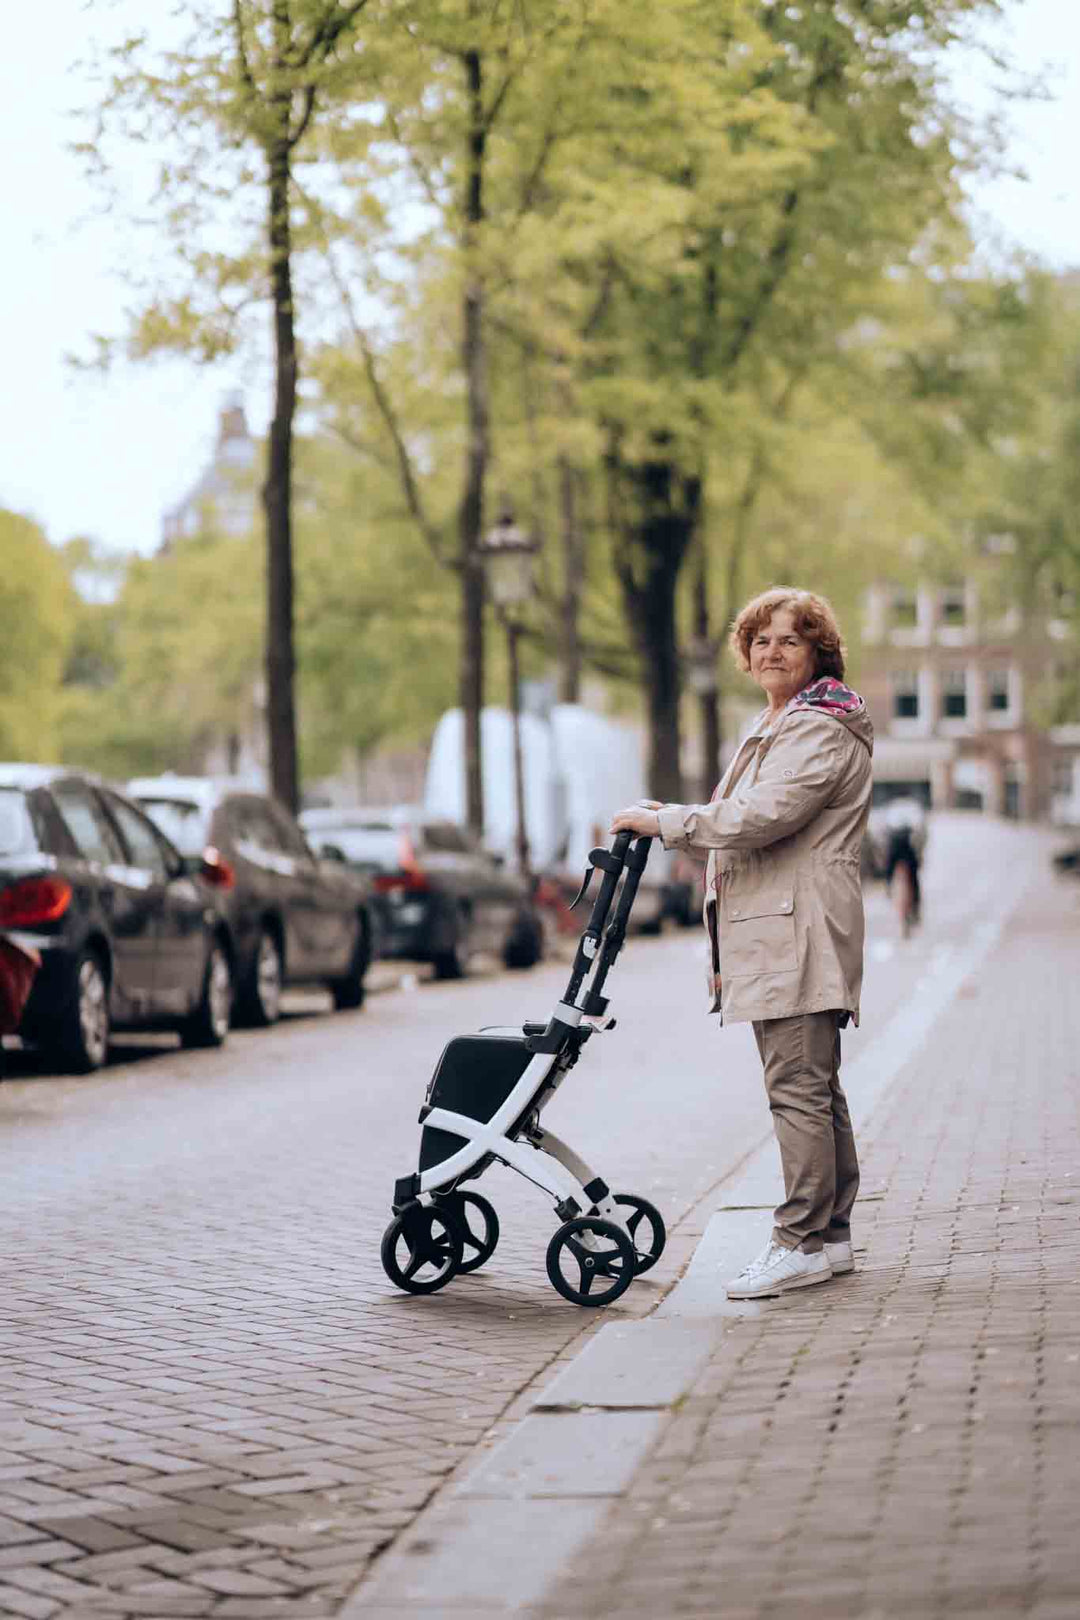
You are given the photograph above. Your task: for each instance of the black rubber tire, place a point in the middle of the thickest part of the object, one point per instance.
(525, 947)
(78, 1039)
(453, 962)
(476, 1250)
(209, 1024)
(349, 992)
(644, 1213)
(430, 1237)
(615, 1264)
(259, 1001)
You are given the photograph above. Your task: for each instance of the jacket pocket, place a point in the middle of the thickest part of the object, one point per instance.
(759, 936)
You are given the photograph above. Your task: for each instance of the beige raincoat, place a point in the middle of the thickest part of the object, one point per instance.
(783, 893)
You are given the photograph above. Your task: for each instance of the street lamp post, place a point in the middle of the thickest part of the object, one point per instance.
(508, 554)
(702, 677)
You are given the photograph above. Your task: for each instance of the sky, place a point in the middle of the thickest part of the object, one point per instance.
(105, 455)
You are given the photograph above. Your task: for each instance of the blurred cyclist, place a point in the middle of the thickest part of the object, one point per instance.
(905, 823)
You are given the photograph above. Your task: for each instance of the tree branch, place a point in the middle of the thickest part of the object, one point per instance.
(307, 107)
(532, 179)
(326, 34)
(775, 267)
(334, 25)
(409, 483)
(427, 185)
(246, 74)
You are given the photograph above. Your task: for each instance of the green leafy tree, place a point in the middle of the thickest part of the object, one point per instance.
(38, 611)
(378, 635)
(234, 104)
(183, 638)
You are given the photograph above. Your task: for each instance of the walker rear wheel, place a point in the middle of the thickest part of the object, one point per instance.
(478, 1224)
(590, 1261)
(645, 1224)
(421, 1249)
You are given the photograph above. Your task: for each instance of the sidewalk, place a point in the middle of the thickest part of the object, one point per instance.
(904, 1442)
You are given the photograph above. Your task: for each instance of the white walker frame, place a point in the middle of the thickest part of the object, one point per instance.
(513, 1136)
(565, 1175)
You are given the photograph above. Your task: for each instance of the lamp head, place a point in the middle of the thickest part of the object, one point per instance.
(508, 554)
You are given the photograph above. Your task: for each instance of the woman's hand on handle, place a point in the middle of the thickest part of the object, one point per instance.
(640, 818)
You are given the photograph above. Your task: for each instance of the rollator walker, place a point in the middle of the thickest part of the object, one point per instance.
(483, 1106)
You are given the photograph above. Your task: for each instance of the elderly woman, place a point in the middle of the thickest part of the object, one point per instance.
(784, 913)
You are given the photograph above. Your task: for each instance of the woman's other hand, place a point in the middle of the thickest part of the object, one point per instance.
(640, 818)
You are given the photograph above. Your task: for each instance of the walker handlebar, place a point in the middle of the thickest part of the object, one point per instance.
(611, 863)
(595, 1003)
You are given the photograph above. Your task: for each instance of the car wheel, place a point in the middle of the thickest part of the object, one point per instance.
(349, 992)
(208, 1025)
(453, 961)
(525, 947)
(260, 999)
(80, 1040)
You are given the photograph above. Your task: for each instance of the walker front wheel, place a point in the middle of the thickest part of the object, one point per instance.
(421, 1249)
(645, 1224)
(477, 1223)
(590, 1261)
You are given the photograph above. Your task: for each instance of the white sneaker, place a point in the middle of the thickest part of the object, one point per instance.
(840, 1257)
(778, 1269)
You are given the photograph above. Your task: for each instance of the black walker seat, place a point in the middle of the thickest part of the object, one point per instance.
(483, 1104)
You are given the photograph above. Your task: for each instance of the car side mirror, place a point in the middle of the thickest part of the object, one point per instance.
(332, 852)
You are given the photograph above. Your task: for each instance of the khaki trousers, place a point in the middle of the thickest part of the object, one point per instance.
(801, 1060)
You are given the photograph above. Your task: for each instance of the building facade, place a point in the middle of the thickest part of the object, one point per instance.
(954, 691)
(224, 496)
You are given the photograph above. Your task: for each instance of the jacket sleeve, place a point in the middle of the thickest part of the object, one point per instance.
(798, 776)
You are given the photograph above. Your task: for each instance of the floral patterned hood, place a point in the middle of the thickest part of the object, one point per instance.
(830, 696)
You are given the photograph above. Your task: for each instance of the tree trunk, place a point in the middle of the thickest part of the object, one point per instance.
(573, 549)
(659, 647)
(663, 510)
(709, 699)
(471, 512)
(277, 491)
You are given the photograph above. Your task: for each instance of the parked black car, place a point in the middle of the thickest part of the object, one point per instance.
(443, 897)
(129, 934)
(290, 918)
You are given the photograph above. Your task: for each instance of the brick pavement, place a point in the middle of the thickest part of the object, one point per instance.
(904, 1442)
(211, 1400)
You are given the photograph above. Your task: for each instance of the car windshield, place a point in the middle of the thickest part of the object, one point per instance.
(376, 848)
(15, 827)
(186, 824)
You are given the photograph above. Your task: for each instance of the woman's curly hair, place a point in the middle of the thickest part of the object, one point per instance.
(813, 618)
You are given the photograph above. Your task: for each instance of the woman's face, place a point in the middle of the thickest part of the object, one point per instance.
(781, 660)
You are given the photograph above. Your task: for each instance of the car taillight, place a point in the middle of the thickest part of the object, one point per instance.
(33, 901)
(409, 877)
(215, 869)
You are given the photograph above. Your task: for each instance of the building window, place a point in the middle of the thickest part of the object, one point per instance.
(997, 689)
(903, 610)
(1063, 776)
(954, 607)
(954, 694)
(905, 691)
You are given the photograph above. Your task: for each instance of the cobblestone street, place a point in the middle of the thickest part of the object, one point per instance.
(213, 1402)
